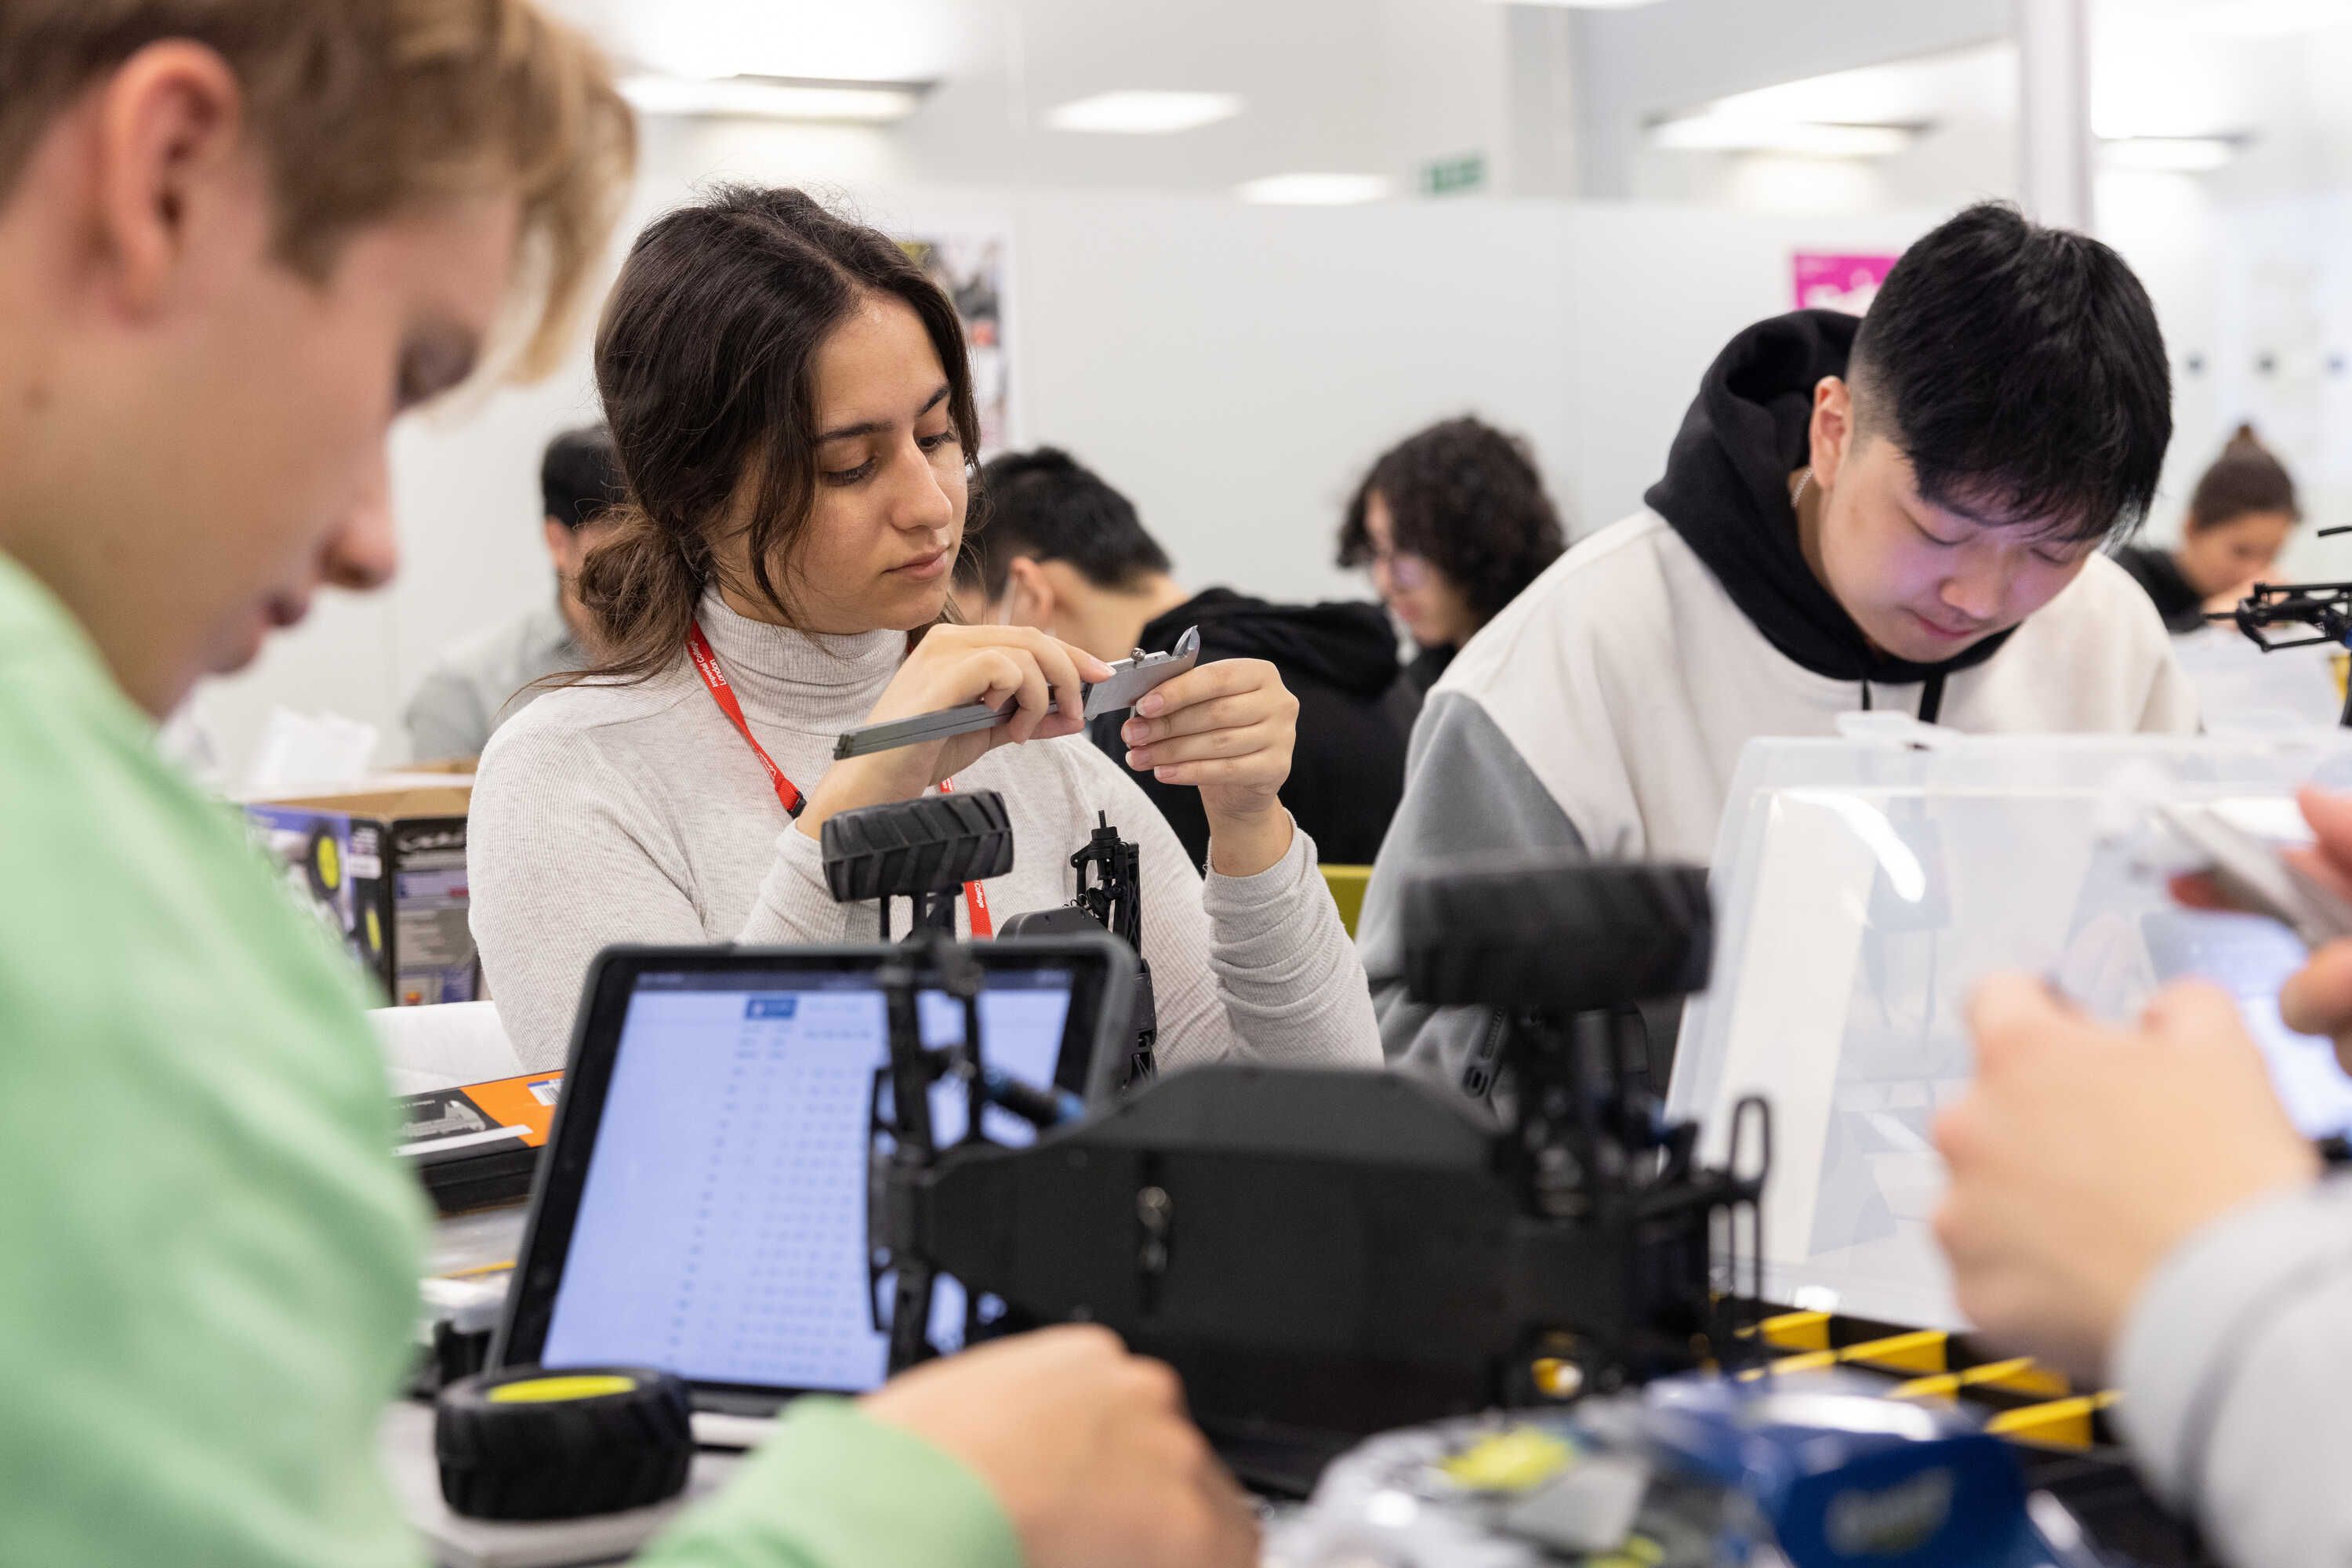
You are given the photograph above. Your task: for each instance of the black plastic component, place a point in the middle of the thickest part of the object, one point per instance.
(910, 848)
(2323, 608)
(455, 1354)
(460, 1181)
(1323, 1254)
(1116, 904)
(563, 1457)
(1562, 936)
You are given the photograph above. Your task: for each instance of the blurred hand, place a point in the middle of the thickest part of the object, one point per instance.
(2082, 1155)
(951, 666)
(1228, 728)
(1088, 1448)
(2317, 998)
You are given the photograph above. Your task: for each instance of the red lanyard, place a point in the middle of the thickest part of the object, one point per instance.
(706, 665)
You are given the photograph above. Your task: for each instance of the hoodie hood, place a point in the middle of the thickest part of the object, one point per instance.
(1727, 494)
(1349, 646)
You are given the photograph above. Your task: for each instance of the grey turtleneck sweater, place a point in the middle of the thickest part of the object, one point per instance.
(636, 814)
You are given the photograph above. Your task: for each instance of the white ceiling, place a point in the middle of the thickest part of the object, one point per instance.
(875, 40)
(2230, 18)
(1386, 86)
(1326, 86)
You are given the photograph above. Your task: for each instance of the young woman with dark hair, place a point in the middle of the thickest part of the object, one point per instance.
(793, 410)
(1454, 522)
(2240, 518)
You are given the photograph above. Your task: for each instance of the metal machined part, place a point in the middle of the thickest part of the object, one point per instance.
(1130, 679)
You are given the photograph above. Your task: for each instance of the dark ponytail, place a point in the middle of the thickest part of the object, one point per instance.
(2244, 481)
(642, 583)
(706, 363)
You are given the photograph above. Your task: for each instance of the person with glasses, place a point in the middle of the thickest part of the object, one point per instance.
(1454, 522)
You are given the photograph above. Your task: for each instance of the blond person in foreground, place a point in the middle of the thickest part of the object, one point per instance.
(238, 238)
(2132, 1204)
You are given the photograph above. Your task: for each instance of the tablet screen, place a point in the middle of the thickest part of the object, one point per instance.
(721, 1228)
(2252, 958)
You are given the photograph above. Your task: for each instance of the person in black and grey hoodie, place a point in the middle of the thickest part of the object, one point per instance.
(1906, 511)
(1060, 550)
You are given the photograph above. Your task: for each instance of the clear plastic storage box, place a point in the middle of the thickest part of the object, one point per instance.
(1865, 885)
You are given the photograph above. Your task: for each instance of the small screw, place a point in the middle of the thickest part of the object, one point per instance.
(1155, 1210)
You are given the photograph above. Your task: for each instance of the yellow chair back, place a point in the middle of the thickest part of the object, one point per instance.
(1347, 884)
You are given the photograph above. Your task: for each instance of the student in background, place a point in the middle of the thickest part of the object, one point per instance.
(238, 239)
(798, 481)
(2239, 519)
(1454, 523)
(1060, 550)
(489, 678)
(1856, 514)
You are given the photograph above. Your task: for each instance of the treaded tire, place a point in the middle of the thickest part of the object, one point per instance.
(1562, 936)
(933, 844)
(563, 1458)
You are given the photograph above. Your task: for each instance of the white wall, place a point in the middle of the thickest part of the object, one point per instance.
(1657, 292)
(2256, 299)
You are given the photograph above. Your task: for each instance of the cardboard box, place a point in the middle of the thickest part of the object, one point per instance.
(478, 1146)
(385, 867)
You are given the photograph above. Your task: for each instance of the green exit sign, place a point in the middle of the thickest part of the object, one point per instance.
(1452, 176)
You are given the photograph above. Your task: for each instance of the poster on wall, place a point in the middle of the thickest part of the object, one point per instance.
(1840, 280)
(972, 262)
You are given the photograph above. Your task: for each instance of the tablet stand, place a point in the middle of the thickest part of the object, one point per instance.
(924, 850)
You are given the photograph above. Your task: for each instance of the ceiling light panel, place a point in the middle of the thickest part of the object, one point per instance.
(774, 98)
(1315, 190)
(2168, 154)
(1716, 131)
(1144, 114)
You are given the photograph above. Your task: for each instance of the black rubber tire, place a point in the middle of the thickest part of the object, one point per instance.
(563, 1458)
(932, 844)
(1564, 936)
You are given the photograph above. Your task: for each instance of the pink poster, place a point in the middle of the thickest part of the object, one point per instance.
(1839, 281)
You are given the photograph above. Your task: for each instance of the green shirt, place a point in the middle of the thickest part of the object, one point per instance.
(208, 1258)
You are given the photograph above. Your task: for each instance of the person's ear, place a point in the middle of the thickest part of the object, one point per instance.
(564, 547)
(1029, 596)
(1831, 430)
(170, 145)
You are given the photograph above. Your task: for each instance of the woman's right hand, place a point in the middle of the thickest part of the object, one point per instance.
(951, 666)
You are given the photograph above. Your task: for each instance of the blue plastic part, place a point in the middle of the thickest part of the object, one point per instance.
(1840, 1477)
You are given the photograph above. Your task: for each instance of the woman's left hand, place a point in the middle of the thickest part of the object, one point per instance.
(1227, 729)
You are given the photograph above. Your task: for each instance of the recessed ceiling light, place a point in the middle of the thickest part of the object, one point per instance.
(2170, 155)
(1315, 190)
(1138, 114)
(774, 98)
(1716, 132)
(1586, 4)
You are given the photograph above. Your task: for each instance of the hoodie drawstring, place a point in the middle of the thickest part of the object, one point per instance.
(1931, 696)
